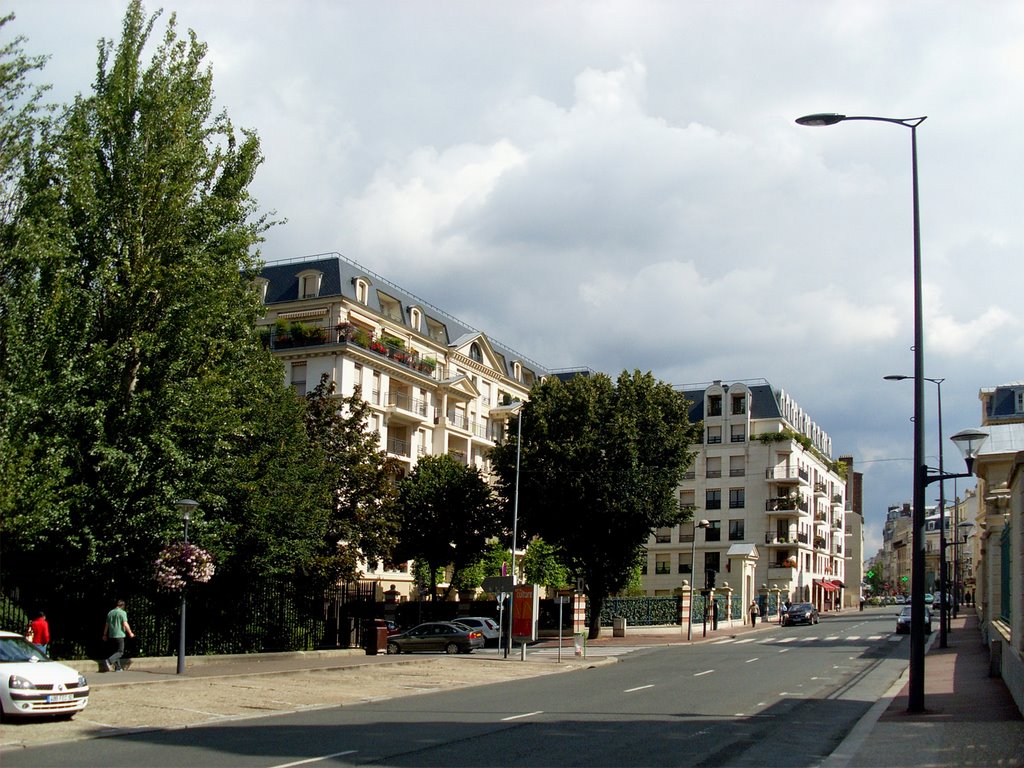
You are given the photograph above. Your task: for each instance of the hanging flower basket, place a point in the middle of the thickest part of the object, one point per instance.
(182, 564)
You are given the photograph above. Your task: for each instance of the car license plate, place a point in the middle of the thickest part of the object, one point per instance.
(53, 698)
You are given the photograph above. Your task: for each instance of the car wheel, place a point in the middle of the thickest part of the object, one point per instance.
(451, 648)
(815, 619)
(393, 648)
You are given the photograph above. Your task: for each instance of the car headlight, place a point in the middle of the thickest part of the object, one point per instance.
(82, 682)
(20, 683)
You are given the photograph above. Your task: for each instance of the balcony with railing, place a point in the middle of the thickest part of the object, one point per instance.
(787, 475)
(398, 446)
(298, 335)
(399, 403)
(790, 504)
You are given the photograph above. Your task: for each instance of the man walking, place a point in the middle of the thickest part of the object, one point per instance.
(116, 628)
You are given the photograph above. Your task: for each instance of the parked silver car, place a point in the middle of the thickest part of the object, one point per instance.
(447, 636)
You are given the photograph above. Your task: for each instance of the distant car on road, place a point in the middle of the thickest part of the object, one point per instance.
(488, 627)
(800, 613)
(33, 684)
(447, 636)
(903, 621)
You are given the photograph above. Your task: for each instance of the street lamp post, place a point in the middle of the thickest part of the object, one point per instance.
(943, 585)
(185, 507)
(693, 572)
(916, 684)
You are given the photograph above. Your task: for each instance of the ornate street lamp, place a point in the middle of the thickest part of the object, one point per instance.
(185, 507)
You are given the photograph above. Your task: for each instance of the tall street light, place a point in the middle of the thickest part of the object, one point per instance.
(915, 701)
(943, 583)
(693, 572)
(185, 507)
(505, 412)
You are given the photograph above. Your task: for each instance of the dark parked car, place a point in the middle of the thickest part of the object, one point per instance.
(903, 621)
(447, 636)
(800, 613)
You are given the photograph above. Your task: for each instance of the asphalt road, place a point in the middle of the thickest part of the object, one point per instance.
(783, 698)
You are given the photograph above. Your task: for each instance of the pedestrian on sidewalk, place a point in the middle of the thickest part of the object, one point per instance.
(116, 628)
(755, 611)
(39, 632)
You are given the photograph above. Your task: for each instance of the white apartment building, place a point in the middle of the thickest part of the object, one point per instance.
(774, 499)
(435, 385)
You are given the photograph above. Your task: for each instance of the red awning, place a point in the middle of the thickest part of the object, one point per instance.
(828, 586)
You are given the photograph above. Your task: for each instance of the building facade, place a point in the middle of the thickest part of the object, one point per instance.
(435, 385)
(774, 499)
(999, 533)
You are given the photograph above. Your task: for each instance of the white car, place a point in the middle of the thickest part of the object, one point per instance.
(33, 684)
(489, 627)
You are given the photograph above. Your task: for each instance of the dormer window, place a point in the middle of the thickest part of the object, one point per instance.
(739, 405)
(260, 285)
(1019, 400)
(517, 371)
(362, 289)
(309, 284)
(475, 353)
(389, 306)
(714, 405)
(414, 318)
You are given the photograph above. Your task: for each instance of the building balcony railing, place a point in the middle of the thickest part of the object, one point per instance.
(787, 474)
(689, 475)
(407, 403)
(398, 447)
(713, 473)
(782, 504)
(297, 335)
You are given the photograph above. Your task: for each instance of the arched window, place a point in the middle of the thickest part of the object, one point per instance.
(475, 353)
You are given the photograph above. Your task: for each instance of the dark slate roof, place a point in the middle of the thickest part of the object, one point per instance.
(764, 403)
(1003, 403)
(339, 274)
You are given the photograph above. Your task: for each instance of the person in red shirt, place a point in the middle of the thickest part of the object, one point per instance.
(40, 632)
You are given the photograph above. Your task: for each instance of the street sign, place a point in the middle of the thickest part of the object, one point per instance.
(498, 584)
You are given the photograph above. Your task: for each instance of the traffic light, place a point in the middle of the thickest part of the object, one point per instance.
(709, 578)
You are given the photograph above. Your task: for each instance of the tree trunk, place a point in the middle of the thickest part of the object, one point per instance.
(596, 604)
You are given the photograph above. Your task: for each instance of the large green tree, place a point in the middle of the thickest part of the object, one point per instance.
(599, 465)
(448, 514)
(131, 368)
(363, 522)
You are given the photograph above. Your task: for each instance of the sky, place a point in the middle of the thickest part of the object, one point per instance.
(622, 185)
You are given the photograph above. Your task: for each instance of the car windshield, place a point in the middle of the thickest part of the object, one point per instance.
(18, 649)
(905, 612)
(801, 607)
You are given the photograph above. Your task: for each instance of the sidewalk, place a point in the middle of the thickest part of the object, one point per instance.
(970, 719)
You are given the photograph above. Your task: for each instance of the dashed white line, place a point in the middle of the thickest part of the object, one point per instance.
(638, 688)
(315, 759)
(705, 672)
(525, 714)
(746, 640)
(750, 660)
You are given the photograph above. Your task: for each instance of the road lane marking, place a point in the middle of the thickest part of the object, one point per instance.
(316, 759)
(853, 637)
(748, 640)
(705, 672)
(832, 637)
(525, 714)
(787, 640)
(638, 688)
(723, 642)
(785, 650)
(750, 660)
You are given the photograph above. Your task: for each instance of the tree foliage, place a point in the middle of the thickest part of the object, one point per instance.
(599, 464)
(448, 513)
(363, 522)
(131, 370)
